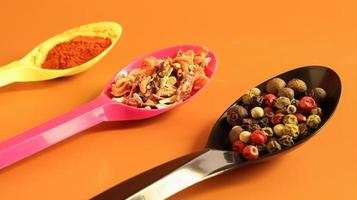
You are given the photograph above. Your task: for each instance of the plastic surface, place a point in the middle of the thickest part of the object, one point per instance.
(29, 67)
(169, 178)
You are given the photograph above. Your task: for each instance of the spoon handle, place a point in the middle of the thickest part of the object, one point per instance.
(8, 73)
(172, 177)
(51, 132)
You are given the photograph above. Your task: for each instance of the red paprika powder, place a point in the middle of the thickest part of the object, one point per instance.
(75, 52)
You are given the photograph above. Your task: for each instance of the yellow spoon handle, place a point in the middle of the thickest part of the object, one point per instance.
(9, 73)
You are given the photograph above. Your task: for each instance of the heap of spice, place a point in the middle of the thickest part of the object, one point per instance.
(75, 52)
(159, 83)
(266, 122)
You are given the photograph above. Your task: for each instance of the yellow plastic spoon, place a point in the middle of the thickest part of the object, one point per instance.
(29, 67)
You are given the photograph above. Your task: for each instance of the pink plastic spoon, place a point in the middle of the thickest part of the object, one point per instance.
(101, 109)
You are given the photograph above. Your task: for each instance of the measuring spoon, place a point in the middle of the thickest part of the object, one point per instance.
(176, 175)
(29, 67)
(101, 109)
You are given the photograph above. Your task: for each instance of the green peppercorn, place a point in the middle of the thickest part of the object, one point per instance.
(274, 85)
(254, 92)
(318, 94)
(286, 92)
(290, 119)
(235, 114)
(282, 102)
(295, 103)
(304, 130)
(273, 146)
(298, 85)
(286, 140)
(317, 111)
(313, 121)
(268, 131)
(247, 99)
(291, 129)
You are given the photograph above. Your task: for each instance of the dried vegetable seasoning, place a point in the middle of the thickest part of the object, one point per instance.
(159, 83)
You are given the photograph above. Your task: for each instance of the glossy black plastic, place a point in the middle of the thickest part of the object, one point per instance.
(314, 76)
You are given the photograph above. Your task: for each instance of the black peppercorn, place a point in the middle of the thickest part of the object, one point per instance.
(261, 148)
(264, 122)
(235, 114)
(250, 124)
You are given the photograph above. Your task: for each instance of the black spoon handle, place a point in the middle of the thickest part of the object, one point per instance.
(171, 177)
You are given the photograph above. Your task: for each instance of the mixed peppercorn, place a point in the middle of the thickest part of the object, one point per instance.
(265, 122)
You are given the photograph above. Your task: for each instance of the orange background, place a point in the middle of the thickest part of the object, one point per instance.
(253, 41)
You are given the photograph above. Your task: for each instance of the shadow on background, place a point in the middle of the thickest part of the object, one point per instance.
(105, 126)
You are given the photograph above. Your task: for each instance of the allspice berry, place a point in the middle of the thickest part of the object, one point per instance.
(235, 114)
(286, 92)
(274, 85)
(298, 85)
(318, 94)
(234, 133)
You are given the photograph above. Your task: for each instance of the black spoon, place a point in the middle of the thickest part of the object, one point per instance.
(176, 175)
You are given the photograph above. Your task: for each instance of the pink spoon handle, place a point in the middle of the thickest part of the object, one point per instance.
(53, 131)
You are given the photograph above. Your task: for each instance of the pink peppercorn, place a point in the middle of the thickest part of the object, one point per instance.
(268, 111)
(269, 99)
(277, 118)
(250, 152)
(307, 103)
(238, 146)
(258, 137)
(300, 117)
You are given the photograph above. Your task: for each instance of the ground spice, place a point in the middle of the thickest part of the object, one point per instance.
(75, 52)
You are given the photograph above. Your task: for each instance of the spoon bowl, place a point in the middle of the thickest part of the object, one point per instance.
(29, 67)
(115, 111)
(176, 175)
(101, 109)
